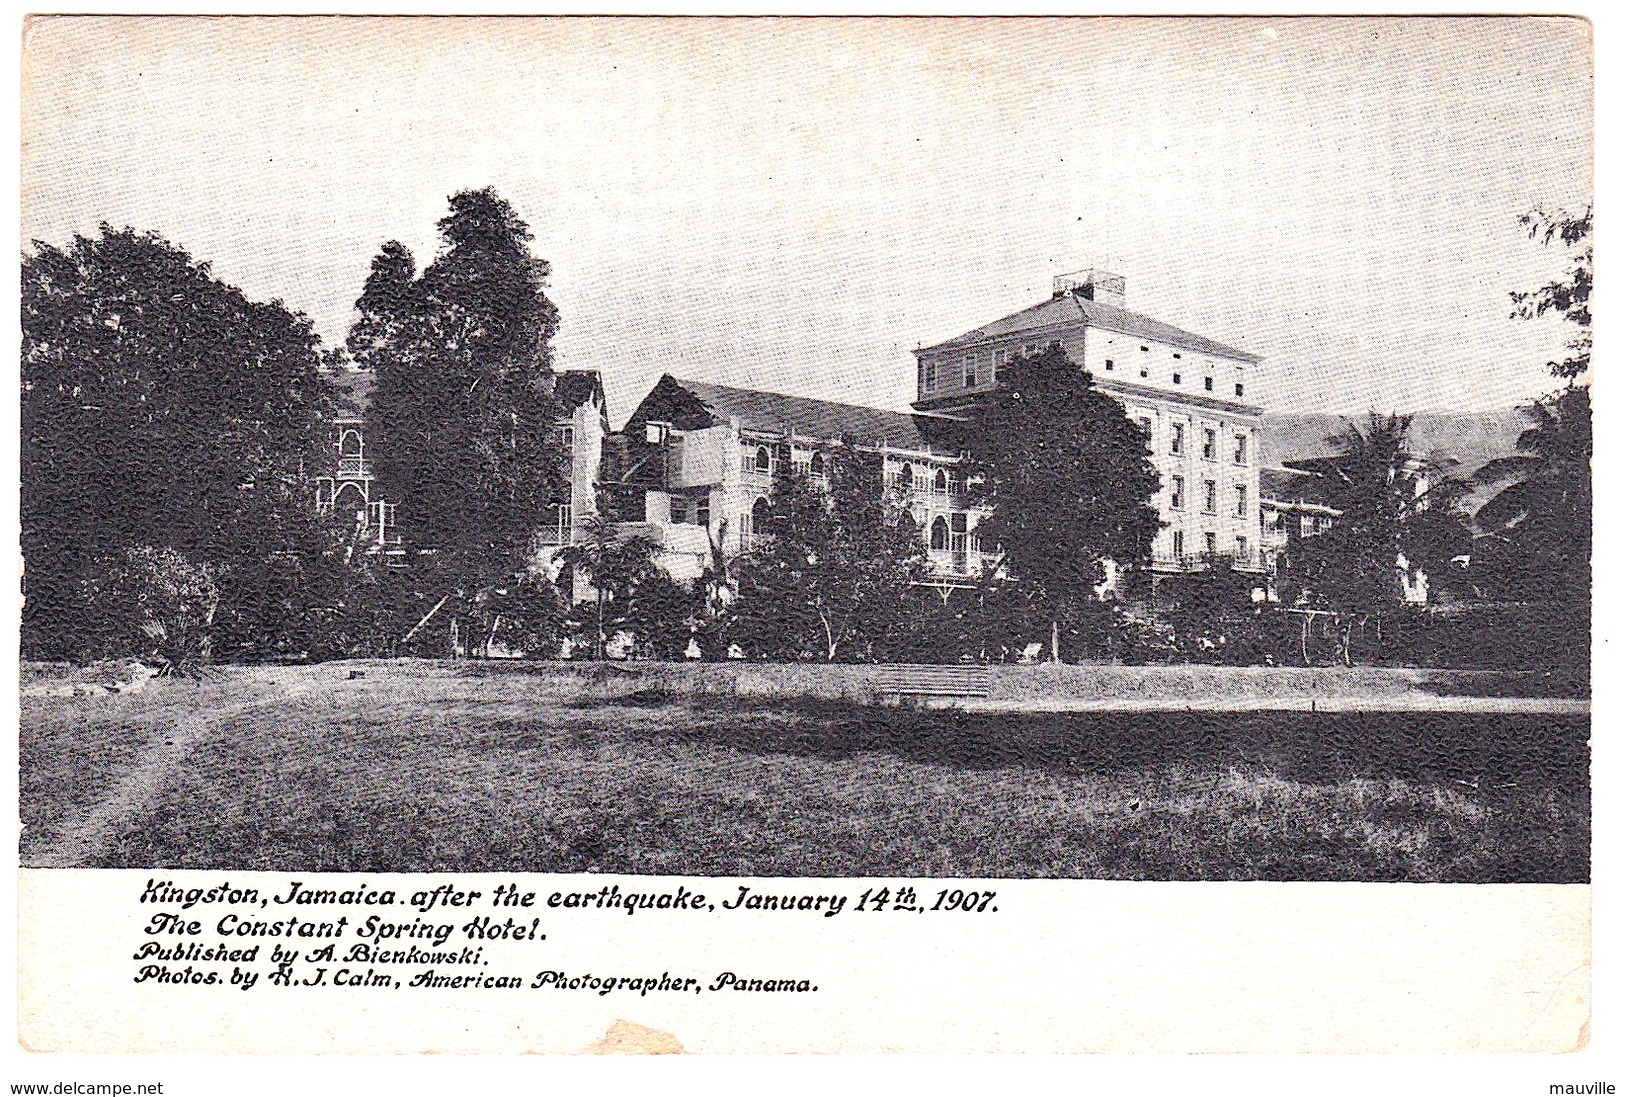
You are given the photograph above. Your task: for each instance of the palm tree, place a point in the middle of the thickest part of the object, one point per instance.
(1536, 529)
(613, 563)
(1368, 480)
(1399, 516)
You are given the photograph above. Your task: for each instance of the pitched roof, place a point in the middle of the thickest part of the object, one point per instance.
(777, 412)
(1072, 309)
(575, 387)
(1290, 485)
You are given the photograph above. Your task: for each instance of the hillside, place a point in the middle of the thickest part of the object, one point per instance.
(1472, 438)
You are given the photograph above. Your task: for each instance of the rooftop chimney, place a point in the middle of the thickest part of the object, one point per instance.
(1093, 284)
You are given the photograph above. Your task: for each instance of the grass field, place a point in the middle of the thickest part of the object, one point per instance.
(425, 766)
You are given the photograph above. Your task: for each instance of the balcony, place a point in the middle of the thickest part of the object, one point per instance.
(553, 535)
(955, 563)
(353, 468)
(1252, 560)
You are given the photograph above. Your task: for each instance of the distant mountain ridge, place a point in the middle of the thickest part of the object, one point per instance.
(1472, 438)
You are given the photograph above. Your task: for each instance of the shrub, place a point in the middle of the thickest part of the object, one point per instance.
(157, 603)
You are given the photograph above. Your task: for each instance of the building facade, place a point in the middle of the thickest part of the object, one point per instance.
(348, 488)
(1189, 393)
(700, 460)
(692, 469)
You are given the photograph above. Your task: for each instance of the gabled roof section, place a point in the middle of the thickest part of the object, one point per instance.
(575, 387)
(776, 412)
(1289, 485)
(1073, 309)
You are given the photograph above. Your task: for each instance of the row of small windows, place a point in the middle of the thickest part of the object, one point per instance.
(1178, 377)
(1210, 441)
(937, 372)
(1210, 496)
(1210, 543)
(905, 478)
(763, 462)
(934, 371)
(950, 534)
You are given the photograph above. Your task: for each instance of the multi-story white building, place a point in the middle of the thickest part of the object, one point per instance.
(1189, 393)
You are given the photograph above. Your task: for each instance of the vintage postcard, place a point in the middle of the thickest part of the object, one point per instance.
(777, 535)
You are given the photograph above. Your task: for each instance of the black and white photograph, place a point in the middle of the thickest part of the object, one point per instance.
(495, 481)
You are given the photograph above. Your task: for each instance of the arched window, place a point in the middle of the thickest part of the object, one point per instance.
(350, 443)
(940, 484)
(816, 465)
(758, 516)
(939, 533)
(764, 459)
(350, 499)
(905, 478)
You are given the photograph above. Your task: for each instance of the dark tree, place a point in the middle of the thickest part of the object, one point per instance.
(461, 418)
(161, 408)
(832, 566)
(1399, 518)
(1568, 296)
(386, 308)
(1536, 543)
(1068, 481)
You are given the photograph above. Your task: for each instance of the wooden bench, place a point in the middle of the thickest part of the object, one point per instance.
(934, 681)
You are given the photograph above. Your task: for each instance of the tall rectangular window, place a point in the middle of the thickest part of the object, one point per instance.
(1211, 543)
(563, 520)
(1210, 497)
(1001, 363)
(1176, 443)
(1241, 500)
(970, 371)
(1240, 455)
(1176, 493)
(1210, 443)
(565, 436)
(1179, 542)
(928, 375)
(1241, 548)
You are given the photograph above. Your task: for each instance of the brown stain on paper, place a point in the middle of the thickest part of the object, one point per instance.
(629, 1038)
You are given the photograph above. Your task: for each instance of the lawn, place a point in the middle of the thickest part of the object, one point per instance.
(423, 766)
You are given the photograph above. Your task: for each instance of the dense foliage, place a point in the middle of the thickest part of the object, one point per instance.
(461, 417)
(161, 408)
(831, 571)
(1399, 519)
(1068, 483)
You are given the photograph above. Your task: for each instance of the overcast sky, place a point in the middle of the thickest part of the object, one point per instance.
(794, 204)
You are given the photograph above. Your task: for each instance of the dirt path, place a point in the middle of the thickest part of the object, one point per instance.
(87, 833)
